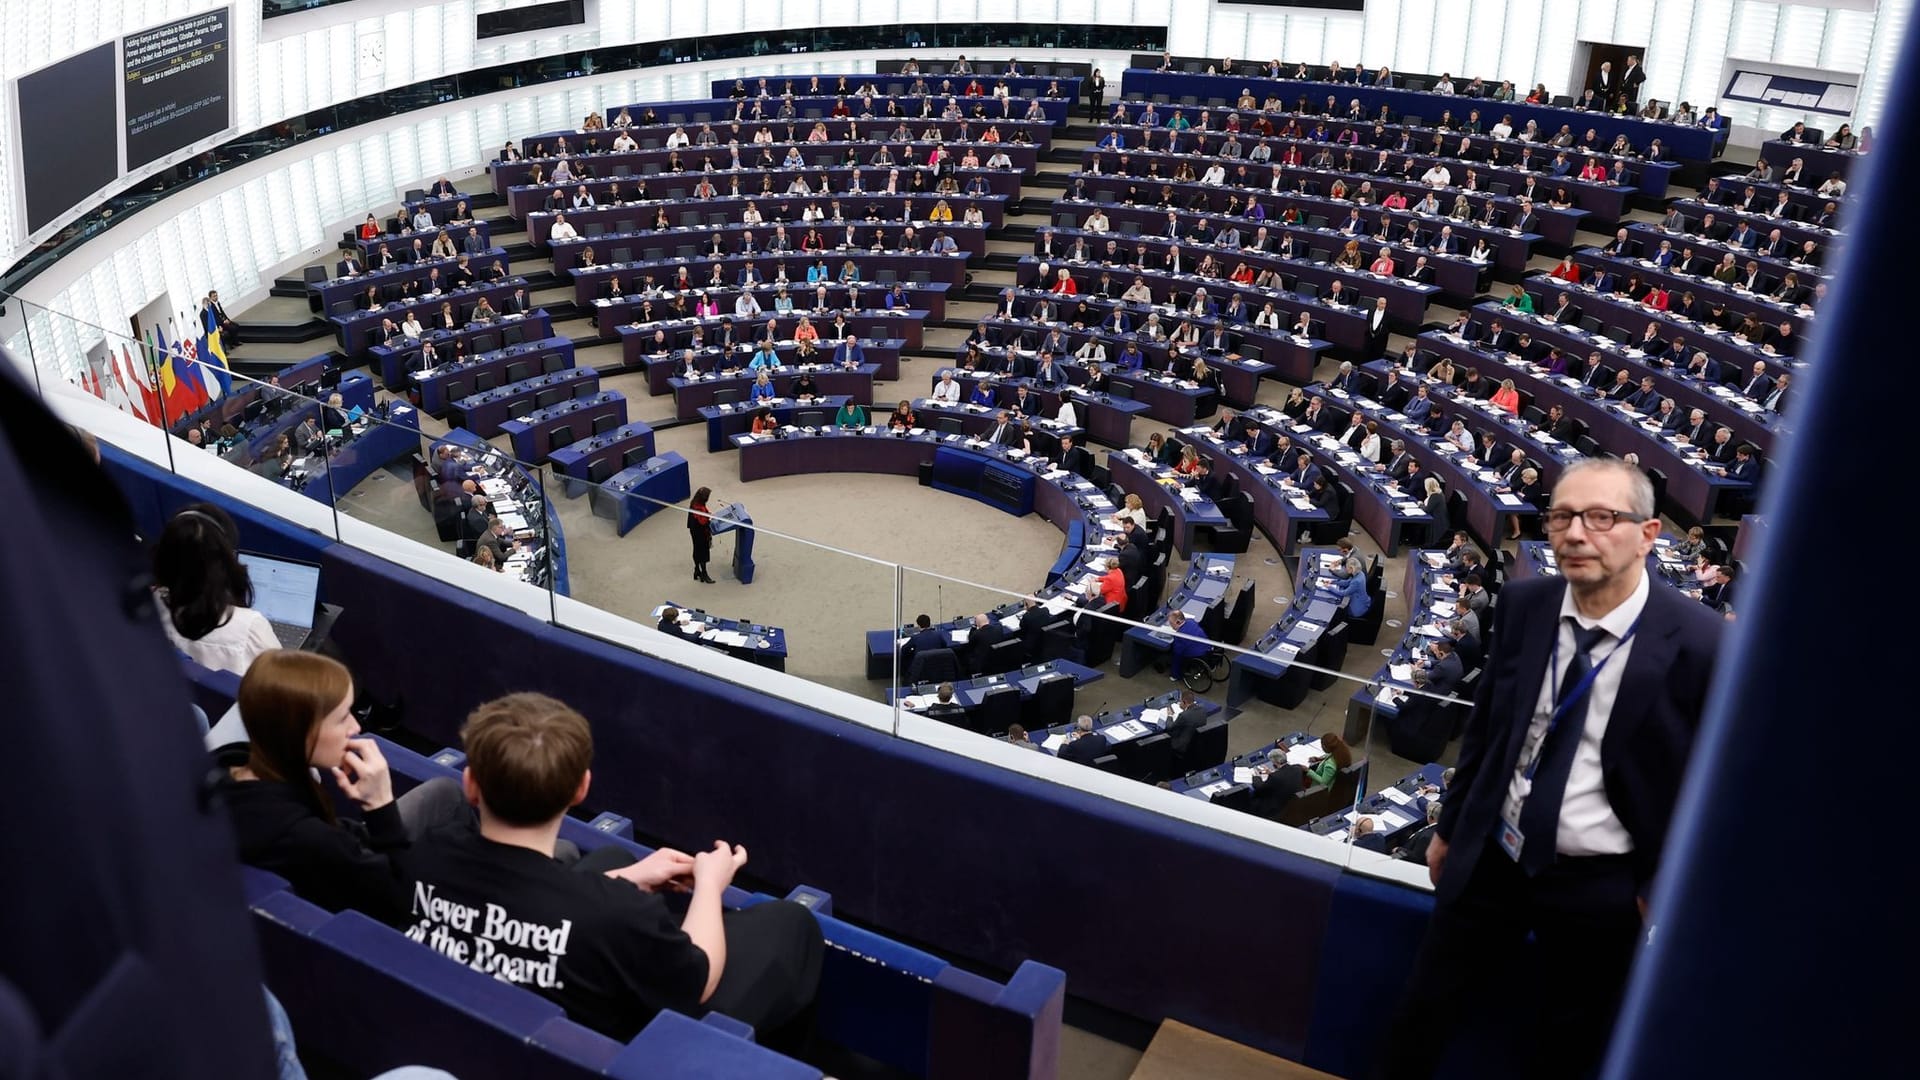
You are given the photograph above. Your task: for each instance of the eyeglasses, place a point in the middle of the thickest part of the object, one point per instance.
(1594, 519)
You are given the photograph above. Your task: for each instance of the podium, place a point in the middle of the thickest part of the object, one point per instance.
(733, 518)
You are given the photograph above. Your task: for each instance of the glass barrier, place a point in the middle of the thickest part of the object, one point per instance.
(1301, 713)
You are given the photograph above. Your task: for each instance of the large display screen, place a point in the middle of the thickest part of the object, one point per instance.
(68, 148)
(176, 78)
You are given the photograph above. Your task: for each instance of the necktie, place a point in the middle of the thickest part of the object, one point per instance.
(1540, 814)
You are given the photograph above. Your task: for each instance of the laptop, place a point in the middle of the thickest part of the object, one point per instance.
(286, 592)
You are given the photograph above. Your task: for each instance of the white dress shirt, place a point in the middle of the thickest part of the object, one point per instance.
(946, 392)
(1588, 825)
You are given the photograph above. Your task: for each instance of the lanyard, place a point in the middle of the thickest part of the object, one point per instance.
(1573, 696)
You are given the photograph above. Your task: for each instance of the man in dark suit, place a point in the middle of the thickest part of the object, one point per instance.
(1377, 329)
(1075, 459)
(944, 707)
(1033, 621)
(986, 633)
(1188, 718)
(1004, 431)
(925, 636)
(1566, 782)
(1085, 745)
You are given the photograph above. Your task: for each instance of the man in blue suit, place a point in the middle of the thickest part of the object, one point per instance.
(850, 354)
(1419, 407)
(1568, 772)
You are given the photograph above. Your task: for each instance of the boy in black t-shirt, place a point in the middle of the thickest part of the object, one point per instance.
(597, 937)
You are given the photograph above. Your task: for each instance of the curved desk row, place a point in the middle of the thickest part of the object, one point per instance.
(1248, 355)
(1688, 143)
(1342, 325)
(840, 180)
(711, 241)
(595, 460)
(923, 300)
(401, 243)
(1107, 420)
(1160, 491)
(1616, 315)
(1321, 225)
(1268, 672)
(1406, 300)
(640, 490)
(655, 135)
(445, 384)
(362, 453)
(1692, 486)
(536, 434)
(657, 345)
(632, 215)
(395, 358)
(692, 398)
(357, 329)
(502, 477)
(1202, 596)
(1299, 188)
(591, 285)
(749, 641)
(1576, 342)
(483, 413)
(1487, 508)
(717, 162)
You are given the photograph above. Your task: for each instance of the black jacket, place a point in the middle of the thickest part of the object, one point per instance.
(335, 866)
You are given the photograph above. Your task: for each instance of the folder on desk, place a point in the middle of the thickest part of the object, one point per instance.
(1305, 753)
(1053, 743)
(1401, 672)
(1242, 774)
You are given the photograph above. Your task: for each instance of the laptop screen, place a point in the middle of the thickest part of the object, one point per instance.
(283, 591)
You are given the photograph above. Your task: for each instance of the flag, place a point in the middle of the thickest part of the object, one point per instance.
(90, 379)
(113, 386)
(186, 362)
(213, 362)
(146, 399)
(129, 387)
(173, 391)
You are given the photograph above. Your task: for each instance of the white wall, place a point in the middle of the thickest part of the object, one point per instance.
(1534, 41)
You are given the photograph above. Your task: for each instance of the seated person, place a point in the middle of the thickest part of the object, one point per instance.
(204, 593)
(596, 937)
(296, 711)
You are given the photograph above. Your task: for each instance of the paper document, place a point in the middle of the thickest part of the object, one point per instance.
(1242, 774)
(1395, 795)
(958, 637)
(1055, 742)
(1401, 672)
(1215, 788)
(1305, 754)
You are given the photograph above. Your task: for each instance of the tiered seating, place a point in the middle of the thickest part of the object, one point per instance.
(344, 978)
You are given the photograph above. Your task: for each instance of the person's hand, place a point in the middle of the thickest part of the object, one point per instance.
(1436, 858)
(715, 869)
(665, 869)
(362, 774)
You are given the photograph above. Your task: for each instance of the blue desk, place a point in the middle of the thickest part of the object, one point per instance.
(533, 435)
(441, 387)
(1294, 637)
(1208, 783)
(639, 213)
(764, 645)
(968, 693)
(1399, 810)
(483, 413)
(606, 454)
(987, 479)
(726, 421)
(1686, 143)
(543, 527)
(356, 329)
(1280, 507)
(1129, 733)
(359, 456)
(1427, 583)
(924, 301)
(900, 329)
(692, 397)
(402, 243)
(395, 360)
(1144, 478)
(323, 295)
(1208, 584)
(592, 285)
(639, 491)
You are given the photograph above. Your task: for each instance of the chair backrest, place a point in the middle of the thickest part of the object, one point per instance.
(1235, 630)
(948, 425)
(999, 709)
(1003, 656)
(726, 397)
(934, 665)
(1050, 704)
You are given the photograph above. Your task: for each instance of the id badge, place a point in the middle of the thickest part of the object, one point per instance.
(1511, 839)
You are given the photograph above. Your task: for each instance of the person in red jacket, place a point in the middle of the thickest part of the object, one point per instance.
(1113, 583)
